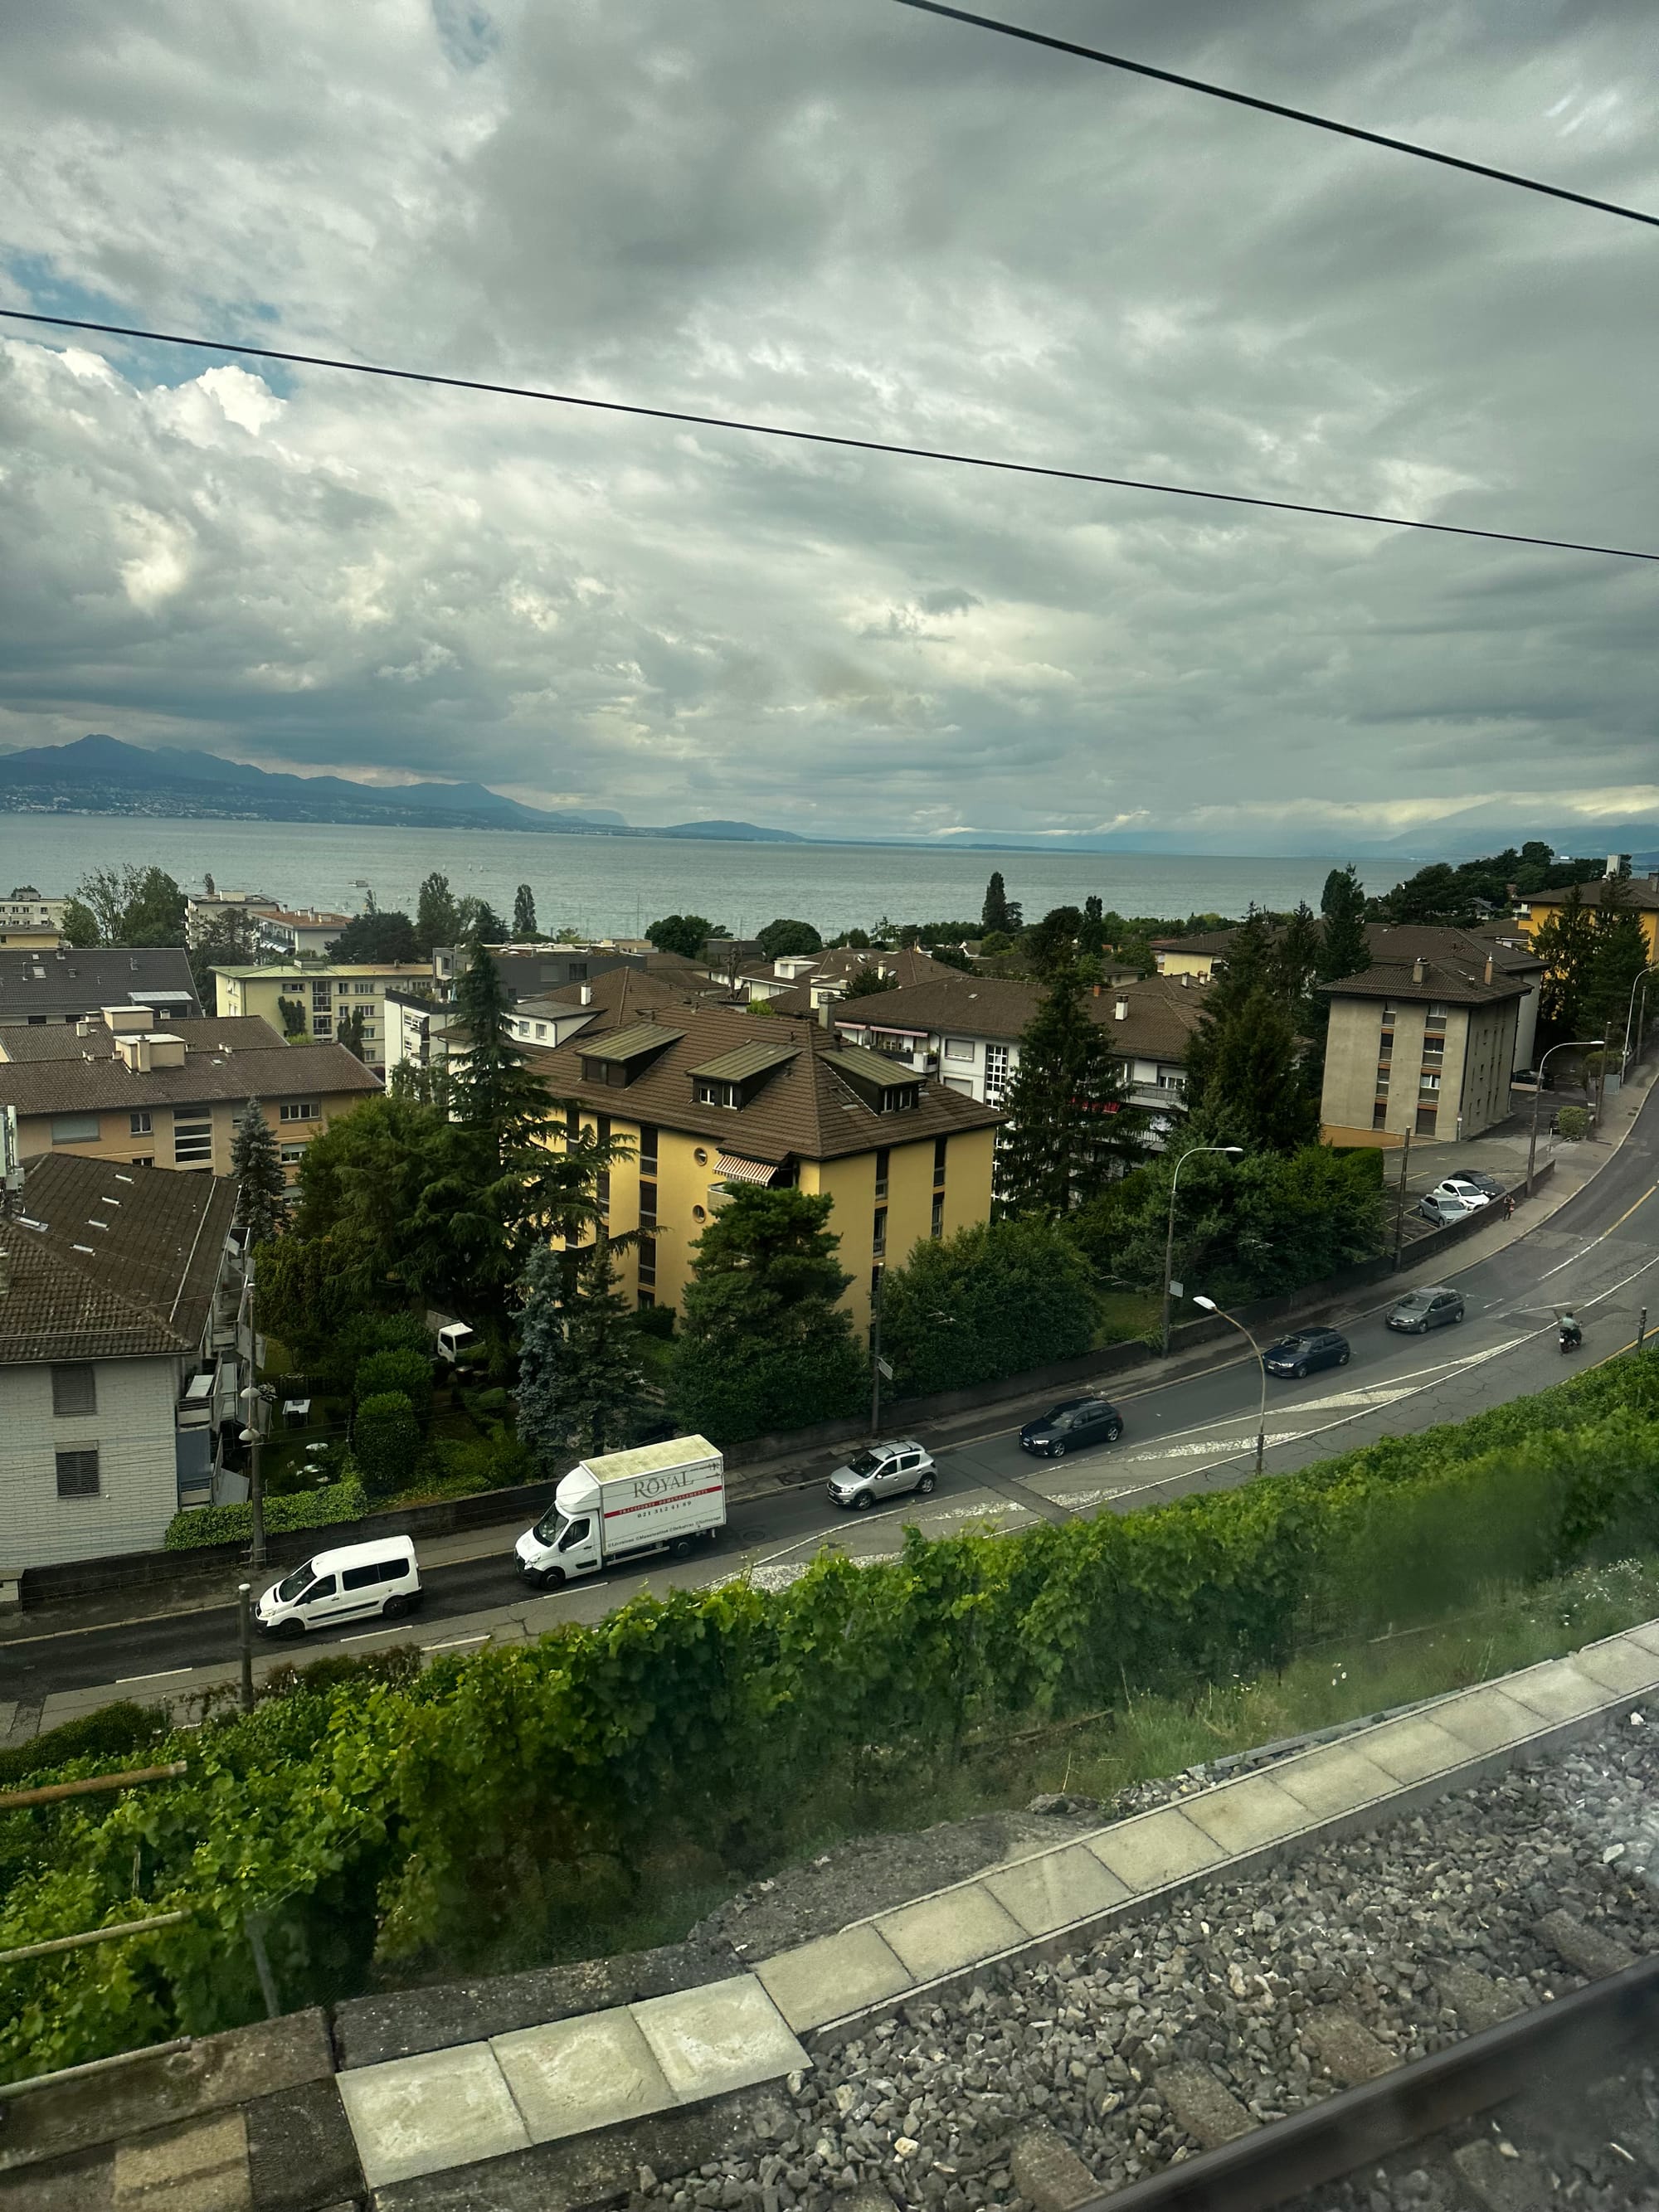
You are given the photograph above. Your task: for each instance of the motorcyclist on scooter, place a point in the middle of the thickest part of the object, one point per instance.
(1572, 1336)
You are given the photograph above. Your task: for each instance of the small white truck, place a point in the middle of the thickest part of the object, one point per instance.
(625, 1505)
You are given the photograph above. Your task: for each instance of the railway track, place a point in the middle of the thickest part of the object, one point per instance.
(1561, 2072)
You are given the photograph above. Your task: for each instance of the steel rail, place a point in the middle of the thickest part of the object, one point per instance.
(1324, 2142)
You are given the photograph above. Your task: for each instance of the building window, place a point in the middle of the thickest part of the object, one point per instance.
(322, 999)
(1390, 1014)
(192, 1141)
(648, 1267)
(647, 1204)
(602, 1190)
(362, 990)
(958, 1048)
(578, 972)
(77, 1473)
(1428, 1082)
(718, 1094)
(74, 1390)
(1426, 1116)
(75, 1128)
(882, 1162)
(940, 1144)
(648, 1148)
(878, 1232)
(996, 1073)
(902, 1098)
(1382, 1080)
(936, 1228)
(1385, 1050)
(647, 1300)
(1435, 1017)
(138, 1123)
(1380, 1115)
(291, 1155)
(298, 1109)
(322, 1028)
(541, 1028)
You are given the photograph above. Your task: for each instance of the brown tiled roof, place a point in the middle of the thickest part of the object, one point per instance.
(81, 1086)
(804, 1109)
(1459, 984)
(66, 1041)
(145, 1280)
(82, 980)
(1207, 941)
(1643, 894)
(1161, 1018)
(624, 993)
(1463, 948)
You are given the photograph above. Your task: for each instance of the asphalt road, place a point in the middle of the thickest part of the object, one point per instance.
(1599, 1255)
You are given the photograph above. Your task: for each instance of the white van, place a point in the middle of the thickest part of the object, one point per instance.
(360, 1581)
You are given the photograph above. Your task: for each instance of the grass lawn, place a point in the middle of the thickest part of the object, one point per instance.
(1125, 1315)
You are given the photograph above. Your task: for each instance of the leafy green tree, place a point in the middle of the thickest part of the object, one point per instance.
(765, 1342)
(995, 1299)
(479, 923)
(374, 938)
(404, 1370)
(292, 1014)
(858, 937)
(437, 915)
(685, 934)
(80, 925)
(1052, 944)
(1259, 1227)
(388, 1191)
(782, 938)
(579, 1378)
(494, 1093)
(302, 1297)
(134, 906)
(1343, 948)
(524, 914)
(231, 939)
(999, 912)
(262, 1188)
(1251, 1078)
(867, 982)
(348, 1031)
(1071, 1128)
(385, 1436)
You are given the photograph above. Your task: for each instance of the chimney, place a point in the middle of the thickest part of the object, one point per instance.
(1097, 990)
(1416, 971)
(1185, 978)
(588, 994)
(1488, 974)
(1121, 1010)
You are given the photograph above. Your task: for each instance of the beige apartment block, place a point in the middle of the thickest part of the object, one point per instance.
(1424, 1050)
(325, 994)
(119, 1089)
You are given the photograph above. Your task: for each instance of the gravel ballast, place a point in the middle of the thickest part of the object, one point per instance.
(928, 2105)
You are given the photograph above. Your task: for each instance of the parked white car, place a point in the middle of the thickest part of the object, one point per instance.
(1472, 1193)
(1444, 1206)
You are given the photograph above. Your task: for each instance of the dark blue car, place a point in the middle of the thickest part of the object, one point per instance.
(1309, 1348)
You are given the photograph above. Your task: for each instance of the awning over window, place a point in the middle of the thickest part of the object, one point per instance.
(740, 1171)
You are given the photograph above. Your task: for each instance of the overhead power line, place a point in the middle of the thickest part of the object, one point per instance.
(1275, 108)
(830, 438)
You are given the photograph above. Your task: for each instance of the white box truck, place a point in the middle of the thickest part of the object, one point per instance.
(625, 1505)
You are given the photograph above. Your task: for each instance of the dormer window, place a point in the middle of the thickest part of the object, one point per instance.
(740, 1076)
(718, 1094)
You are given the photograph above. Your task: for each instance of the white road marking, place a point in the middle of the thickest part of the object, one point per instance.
(455, 1643)
(164, 1675)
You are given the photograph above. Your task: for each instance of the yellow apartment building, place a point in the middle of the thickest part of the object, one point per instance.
(1642, 896)
(120, 1089)
(1424, 1048)
(707, 1099)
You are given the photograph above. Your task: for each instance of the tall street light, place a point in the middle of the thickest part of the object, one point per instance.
(1209, 1306)
(1233, 1151)
(1641, 985)
(1567, 1044)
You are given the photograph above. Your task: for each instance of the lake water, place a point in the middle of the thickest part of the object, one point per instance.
(610, 886)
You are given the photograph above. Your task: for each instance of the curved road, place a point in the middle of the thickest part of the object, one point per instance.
(1598, 1252)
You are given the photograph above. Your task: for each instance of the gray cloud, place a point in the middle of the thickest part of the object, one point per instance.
(859, 219)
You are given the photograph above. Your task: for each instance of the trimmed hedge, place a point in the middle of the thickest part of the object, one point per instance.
(110, 1732)
(232, 1524)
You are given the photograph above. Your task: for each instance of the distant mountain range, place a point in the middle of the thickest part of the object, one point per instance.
(103, 775)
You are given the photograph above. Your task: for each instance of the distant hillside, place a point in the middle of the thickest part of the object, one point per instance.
(733, 832)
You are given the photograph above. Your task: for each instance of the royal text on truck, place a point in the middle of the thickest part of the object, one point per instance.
(626, 1505)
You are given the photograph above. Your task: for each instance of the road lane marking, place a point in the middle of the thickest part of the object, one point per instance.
(455, 1642)
(1604, 1236)
(162, 1674)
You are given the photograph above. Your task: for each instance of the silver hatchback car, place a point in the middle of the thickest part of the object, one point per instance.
(883, 1470)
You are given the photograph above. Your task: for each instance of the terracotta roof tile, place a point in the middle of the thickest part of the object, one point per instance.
(294, 1071)
(66, 1041)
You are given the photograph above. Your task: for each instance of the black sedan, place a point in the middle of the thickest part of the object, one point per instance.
(1071, 1425)
(1489, 1184)
(1309, 1348)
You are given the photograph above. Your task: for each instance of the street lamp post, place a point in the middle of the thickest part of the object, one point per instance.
(1233, 1151)
(1567, 1044)
(1641, 985)
(1209, 1306)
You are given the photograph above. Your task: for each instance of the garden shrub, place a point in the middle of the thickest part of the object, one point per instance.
(386, 1437)
(345, 1500)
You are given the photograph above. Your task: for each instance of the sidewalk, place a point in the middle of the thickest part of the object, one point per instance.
(1573, 1167)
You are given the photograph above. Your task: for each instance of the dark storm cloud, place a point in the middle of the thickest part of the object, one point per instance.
(859, 219)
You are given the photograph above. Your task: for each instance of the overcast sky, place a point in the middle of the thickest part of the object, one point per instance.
(847, 215)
